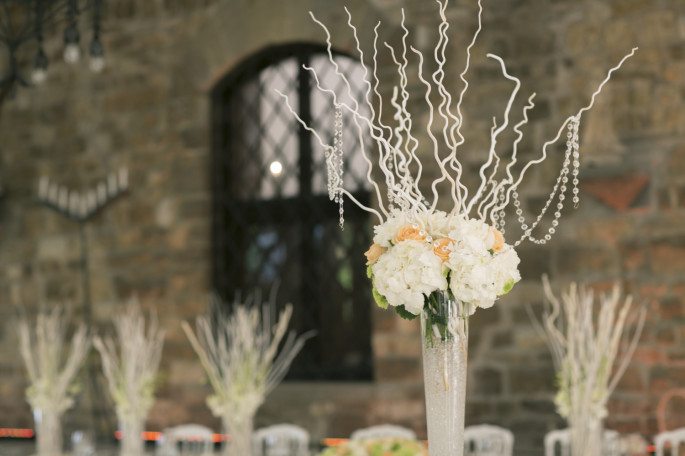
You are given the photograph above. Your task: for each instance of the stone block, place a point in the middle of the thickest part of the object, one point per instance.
(393, 344)
(585, 260)
(398, 368)
(187, 372)
(532, 379)
(488, 381)
(582, 37)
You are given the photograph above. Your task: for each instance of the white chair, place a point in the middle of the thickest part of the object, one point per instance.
(669, 439)
(562, 438)
(193, 439)
(383, 431)
(280, 440)
(488, 440)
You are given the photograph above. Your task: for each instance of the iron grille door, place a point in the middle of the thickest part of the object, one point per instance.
(277, 224)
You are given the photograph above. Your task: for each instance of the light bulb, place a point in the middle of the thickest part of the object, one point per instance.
(97, 64)
(39, 75)
(276, 168)
(97, 55)
(72, 53)
(40, 67)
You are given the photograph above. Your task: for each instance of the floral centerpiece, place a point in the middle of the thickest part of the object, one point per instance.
(440, 265)
(378, 447)
(412, 259)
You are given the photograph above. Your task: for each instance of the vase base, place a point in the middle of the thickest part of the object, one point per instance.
(445, 378)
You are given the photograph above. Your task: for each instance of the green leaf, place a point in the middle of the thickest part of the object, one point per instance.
(379, 298)
(404, 313)
(508, 286)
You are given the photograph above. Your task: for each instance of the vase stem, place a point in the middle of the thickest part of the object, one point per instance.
(444, 331)
(48, 432)
(586, 435)
(240, 431)
(131, 440)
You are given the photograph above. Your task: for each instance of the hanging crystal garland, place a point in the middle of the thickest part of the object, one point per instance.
(23, 24)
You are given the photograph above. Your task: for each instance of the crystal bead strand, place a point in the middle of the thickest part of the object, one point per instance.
(498, 217)
(339, 163)
(572, 150)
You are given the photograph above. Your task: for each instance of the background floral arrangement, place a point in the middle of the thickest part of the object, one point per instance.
(51, 364)
(380, 447)
(586, 341)
(130, 360)
(245, 355)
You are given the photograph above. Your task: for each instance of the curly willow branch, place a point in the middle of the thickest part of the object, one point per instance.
(399, 165)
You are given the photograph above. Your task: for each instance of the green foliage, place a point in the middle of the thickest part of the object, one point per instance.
(404, 313)
(379, 298)
(508, 286)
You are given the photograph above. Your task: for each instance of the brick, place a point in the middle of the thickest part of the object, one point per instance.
(666, 336)
(667, 258)
(663, 377)
(672, 307)
(649, 356)
(634, 379)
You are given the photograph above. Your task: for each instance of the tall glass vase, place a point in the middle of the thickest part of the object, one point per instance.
(240, 431)
(586, 435)
(444, 335)
(132, 443)
(48, 432)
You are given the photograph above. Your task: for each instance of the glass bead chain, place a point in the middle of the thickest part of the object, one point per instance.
(498, 217)
(338, 164)
(572, 151)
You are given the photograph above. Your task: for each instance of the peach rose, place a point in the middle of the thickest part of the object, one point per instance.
(498, 242)
(408, 232)
(374, 252)
(441, 248)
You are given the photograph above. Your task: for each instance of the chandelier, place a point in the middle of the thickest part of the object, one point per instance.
(23, 25)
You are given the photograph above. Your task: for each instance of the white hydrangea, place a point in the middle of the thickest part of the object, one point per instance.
(408, 272)
(437, 224)
(504, 267)
(481, 266)
(478, 275)
(384, 233)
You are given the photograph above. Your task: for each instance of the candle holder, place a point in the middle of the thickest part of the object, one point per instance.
(80, 207)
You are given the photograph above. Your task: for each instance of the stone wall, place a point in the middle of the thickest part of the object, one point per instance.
(150, 111)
